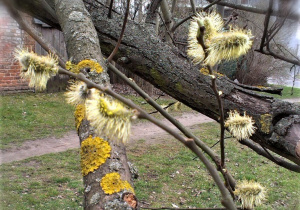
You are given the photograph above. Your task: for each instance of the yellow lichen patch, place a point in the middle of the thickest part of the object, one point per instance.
(266, 122)
(263, 87)
(79, 114)
(112, 183)
(93, 152)
(94, 66)
(219, 74)
(250, 193)
(204, 71)
(72, 67)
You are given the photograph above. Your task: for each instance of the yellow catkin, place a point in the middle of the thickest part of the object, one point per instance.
(38, 69)
(250, 193)
(109, 117)
(177, 106)
(213, 23)
(241, 127)
(228, 46)
(79, 115)
(94, 152)
(77, 93)
(112, 183)
(221, 45)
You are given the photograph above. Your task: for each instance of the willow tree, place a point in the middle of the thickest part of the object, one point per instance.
(90, 34)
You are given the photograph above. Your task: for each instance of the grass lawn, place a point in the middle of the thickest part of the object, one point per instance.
(30, 116)
(286, 92)
(168, 174)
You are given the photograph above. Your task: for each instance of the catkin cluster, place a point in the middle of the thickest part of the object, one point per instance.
(221, 45)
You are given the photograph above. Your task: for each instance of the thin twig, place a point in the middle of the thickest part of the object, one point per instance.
(166, 27)
(165, 108)
(121, 35)
(221, 112)
(189, 17)
(259, 150)
(216, 92)
(230, 18)
(34, 33)
(219, 142)
(280, 57)
(193, 6)
(266, 25)
(109, 15)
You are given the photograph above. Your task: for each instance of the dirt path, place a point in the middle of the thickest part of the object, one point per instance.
(147, 131)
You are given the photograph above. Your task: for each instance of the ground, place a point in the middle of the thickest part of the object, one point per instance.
(146, 131)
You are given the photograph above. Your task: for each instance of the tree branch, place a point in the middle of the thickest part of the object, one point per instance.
(189, 17)
(254, 10)
(33, 33)
(121, 34)
(259, 150)
(261, 89)
(266, 25)
(109, 15)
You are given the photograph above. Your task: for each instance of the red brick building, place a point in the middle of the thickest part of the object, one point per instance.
(11, 37)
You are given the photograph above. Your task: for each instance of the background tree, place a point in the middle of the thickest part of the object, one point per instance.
(165, 67)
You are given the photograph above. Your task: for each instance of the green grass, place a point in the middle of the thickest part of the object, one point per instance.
(50, 181)
(286, 92)
(168, 174)
(30, 116)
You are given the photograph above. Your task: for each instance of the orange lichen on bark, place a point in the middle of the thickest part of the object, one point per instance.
(131, 199)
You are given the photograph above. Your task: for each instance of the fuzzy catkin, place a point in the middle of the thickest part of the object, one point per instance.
(228, 46)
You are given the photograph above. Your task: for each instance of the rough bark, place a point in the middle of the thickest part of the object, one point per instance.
(152, 10)
(82, 43)
(163, 66)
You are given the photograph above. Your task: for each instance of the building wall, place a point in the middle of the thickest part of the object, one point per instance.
(11, 37)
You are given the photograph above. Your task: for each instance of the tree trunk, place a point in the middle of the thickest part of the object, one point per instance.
(82, 43)
(167, 16)
(277, 121)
